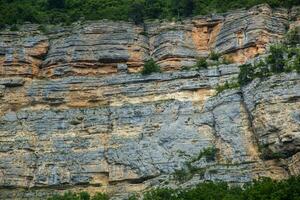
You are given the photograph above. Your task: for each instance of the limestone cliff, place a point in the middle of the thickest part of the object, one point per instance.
(74, 117)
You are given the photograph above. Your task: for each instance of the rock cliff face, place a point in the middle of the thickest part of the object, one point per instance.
(74, 117)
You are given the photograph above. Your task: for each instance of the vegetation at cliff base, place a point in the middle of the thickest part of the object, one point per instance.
(67, 11)
(79, 196)
(263, 189)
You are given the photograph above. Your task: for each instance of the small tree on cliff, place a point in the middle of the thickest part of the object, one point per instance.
(150, 67)
(246, 74)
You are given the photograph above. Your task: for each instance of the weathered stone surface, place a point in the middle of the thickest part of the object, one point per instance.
(121, 133)
(276, 113)
(96, 48)
(65, 127)
(246, 34)
(22, 53)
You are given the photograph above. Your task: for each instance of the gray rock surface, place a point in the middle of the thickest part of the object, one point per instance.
(75, 115)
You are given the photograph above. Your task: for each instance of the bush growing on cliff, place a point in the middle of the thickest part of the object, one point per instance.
(150, 67)
(246, 74)
(214, 56)
(208, 153)
(293, 37)
(283, 57)
(227, 86)
(201, 64)
(276, 60)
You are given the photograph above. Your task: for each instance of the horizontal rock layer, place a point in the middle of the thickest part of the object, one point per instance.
(125, 132)
(66, 126)
(96, 48)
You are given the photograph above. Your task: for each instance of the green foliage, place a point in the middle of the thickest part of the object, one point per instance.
(182, 175)
(100, 196)
(214, 56)
(150, 67)
(201, 64)
(189, 170)
(133, 197)
(208, 153)
(67, 11)
(296, 64)
(136, 13)
(56, 4)
(84, 196)
(293, 37)
(161, 194)
(283, 57)
(246, 74)
(261, 70)
(80, 196)
(227, 86)
(263, 189)
(276, 60)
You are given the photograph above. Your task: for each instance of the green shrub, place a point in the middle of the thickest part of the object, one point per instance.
(161, 194)
(84, 196)
(293, 37)
(189, 170)
(80, 196)
(150, 67)
(276, 59)
(201, 64)
(208, 153)
(100, 196)
(182, 175)
(296, 64)
(214, 56)
(136, 13)
(261, 70)
(62, 11)
(246, 74)
(262, 189)
(227, 86)
(66, 196)
(133, 197)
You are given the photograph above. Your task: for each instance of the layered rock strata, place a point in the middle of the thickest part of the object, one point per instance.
(96, 48)
(76, 115)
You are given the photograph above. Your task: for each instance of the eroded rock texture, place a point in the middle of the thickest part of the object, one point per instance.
(65, 127)
(96, 48)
